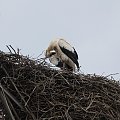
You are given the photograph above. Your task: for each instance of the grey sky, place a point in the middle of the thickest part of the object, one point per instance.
(91, 26)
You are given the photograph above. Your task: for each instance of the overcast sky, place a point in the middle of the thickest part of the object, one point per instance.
(91, 26)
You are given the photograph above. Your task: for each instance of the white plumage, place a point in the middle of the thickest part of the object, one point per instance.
(63, 52)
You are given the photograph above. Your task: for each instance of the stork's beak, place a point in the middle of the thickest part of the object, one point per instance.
(46, 54)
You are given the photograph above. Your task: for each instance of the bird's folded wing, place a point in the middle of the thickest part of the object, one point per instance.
(69, 51)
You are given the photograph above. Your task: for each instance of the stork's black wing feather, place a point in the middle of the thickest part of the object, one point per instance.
(71, 55)
(75, 53)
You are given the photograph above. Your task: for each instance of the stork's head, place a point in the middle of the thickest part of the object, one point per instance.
(49, 53)
(51, 50)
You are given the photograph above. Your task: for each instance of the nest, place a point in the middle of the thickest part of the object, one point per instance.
(31, 90)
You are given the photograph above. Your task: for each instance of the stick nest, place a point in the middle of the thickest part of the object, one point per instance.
(31, 90)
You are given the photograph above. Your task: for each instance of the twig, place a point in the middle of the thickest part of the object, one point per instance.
(11, 106)
(13, 49)
(30, 95)
(67, 114)
(111, 74)
(11, 96)
(9, 48)
(4, 100)
(41, 54)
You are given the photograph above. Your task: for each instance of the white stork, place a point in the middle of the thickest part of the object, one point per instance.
(62, 52)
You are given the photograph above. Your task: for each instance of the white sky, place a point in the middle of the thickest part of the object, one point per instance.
(91, 26)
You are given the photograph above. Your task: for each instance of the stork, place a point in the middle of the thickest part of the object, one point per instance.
(61, 51)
